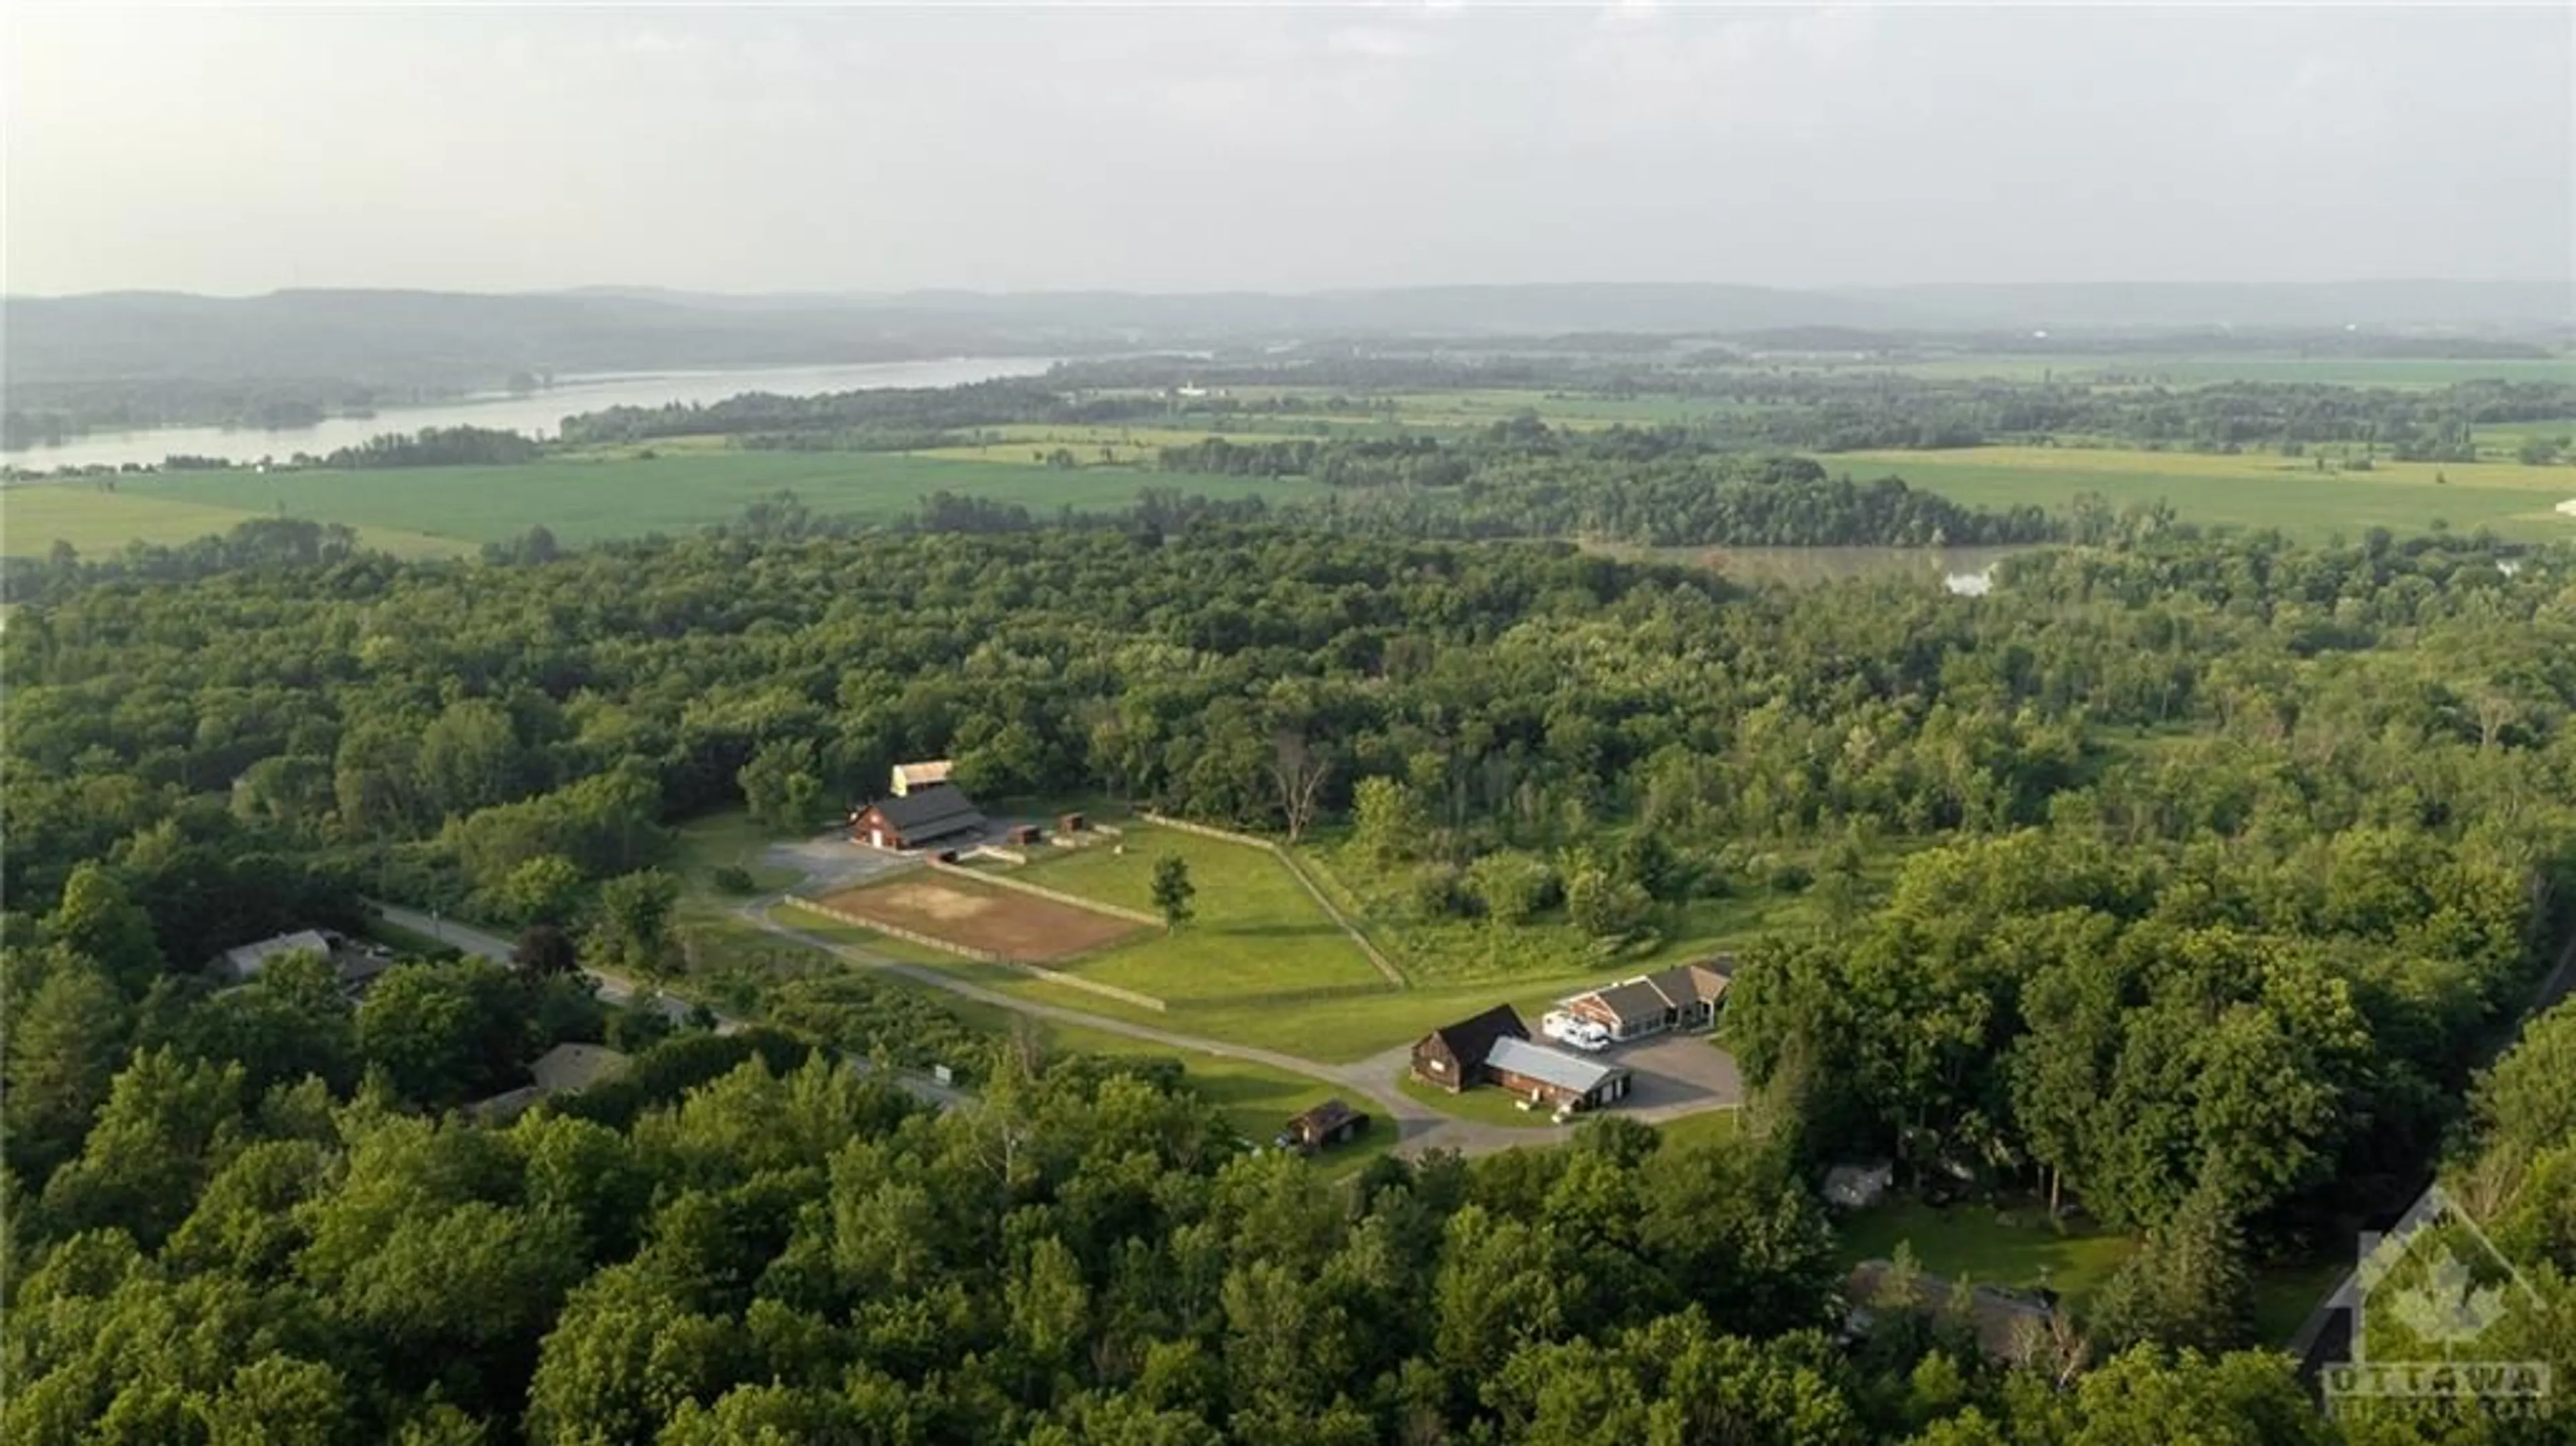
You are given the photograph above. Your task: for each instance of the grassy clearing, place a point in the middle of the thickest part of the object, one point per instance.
(723, 840)
(1706, 1127)
(584, 501)
(1980, 1244)
(1257, 934)
(33, 516)
(1469, 952)
(1487, 1105)
(2249, 490)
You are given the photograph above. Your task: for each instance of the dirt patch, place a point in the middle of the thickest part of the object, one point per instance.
(1013, 925)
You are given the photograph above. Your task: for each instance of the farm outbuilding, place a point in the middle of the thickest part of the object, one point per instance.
(911, 776)
(1453, 1056)
(1553, 1077)
(917, 819)
(1330, 1123)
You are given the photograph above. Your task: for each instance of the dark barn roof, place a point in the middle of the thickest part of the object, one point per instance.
(932, 812)
(1470, 1040)
(1325, 1118)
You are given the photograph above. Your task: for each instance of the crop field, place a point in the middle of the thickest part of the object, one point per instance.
(2249, 490)
(1000, 921)
(1257, 934)
(1105, 446)
(586, 500)
(33, 516)
(2200, 371)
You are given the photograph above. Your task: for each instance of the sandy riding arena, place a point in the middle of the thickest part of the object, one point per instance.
(1014, 925)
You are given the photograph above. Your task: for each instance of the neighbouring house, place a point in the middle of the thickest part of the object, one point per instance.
(1563, 1082)
(2011, 1326)
(1685, 996)
(1453, 1056)
(909, 776)
(563, 1070)
(1023, 834)
(918, 819)
(1857, 1187)
(356, 964)
(1327, 1124)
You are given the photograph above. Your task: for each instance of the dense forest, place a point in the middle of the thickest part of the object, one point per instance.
(2182, 880)
(1664, 487)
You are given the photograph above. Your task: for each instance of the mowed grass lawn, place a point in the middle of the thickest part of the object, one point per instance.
(585, 500)
(1486, 1105)
(33, 516)
(1334, 1029)
(1987, 1246)
(1256, 932)
(1255, 1098)
(2246, 491)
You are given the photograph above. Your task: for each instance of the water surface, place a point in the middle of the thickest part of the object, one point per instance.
(537, 414)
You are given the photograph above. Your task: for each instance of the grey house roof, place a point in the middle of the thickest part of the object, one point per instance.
(245, 962)
(932, 812)
(1538, 1062)
(1696, 983)
(1635, 1000)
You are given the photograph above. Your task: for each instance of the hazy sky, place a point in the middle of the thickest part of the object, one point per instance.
(509, 148)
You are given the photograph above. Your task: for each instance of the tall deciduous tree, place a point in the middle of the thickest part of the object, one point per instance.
(1173, 890)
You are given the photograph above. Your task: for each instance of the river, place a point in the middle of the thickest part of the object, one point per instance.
(537, 414)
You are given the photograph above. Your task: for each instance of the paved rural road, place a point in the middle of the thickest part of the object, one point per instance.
(2315, 1333)
(621, 991)
(1419, 1127)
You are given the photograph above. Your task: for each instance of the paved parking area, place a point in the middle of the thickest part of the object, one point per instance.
(831, 861)
(1677, 1074)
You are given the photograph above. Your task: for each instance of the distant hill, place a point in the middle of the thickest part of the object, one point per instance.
(431, 339)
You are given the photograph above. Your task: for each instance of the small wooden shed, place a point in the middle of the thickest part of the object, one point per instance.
(1330, 1123)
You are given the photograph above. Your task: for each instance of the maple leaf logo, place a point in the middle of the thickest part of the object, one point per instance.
(2449, 1306)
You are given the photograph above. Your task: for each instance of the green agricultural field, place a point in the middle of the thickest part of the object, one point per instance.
(1481, 408)
(2250, 490)
(585, 501)
(33, 516)
(1257, 934)
(2200, 371)
(1099, 446)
